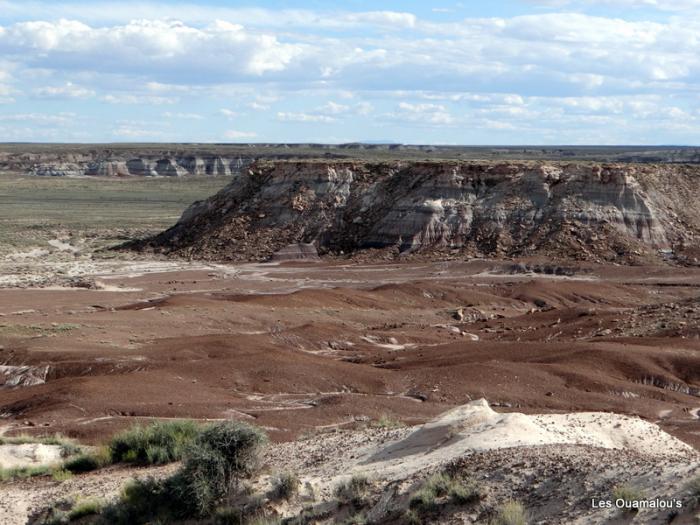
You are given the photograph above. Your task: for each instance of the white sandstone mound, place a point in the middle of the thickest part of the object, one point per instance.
(29, 455)
(475, 427)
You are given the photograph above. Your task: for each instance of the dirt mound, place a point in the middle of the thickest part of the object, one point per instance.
(622, 213)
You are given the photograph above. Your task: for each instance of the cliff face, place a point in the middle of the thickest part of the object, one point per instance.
(99, 164)
(586, 211)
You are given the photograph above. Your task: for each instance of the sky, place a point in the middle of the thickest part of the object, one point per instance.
(537, 72)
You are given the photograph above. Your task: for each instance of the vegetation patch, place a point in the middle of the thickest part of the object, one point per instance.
(629, 495)
(213, 466)
(511, 513)
(87, 462)
(694, 489)
(156, 444)
(387, 422)
(437, 487)
(286, 486)
(354, 491)
(8, 474)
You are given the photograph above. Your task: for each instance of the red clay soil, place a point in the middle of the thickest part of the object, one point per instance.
(295, 347)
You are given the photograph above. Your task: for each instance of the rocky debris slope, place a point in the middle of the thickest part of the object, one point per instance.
(553, 464)
(613, 212)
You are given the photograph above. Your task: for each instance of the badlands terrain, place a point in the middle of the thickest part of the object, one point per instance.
(529, 326)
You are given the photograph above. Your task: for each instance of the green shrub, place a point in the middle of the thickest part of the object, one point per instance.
(387, 422)
(156, 444)
(463, 493)
(439, 485)
(424, 499)
(628, 494)
(263, 520)
(694, 489)
(239, 444)
(411, 517)
(54, 516)
(87, 462)
(214, 463)
(61, 475)
(88, 507)
(141, 501)
(353, 491)
(24, 472)
(286, 486)
(228, 516)
(356, 519)
(511, 513)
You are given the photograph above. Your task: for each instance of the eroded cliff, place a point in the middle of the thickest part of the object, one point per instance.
(584, 211)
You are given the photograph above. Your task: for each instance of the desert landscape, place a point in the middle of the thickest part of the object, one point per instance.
(421, 341)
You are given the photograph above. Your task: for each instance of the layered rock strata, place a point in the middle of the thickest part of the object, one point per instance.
(589, 211)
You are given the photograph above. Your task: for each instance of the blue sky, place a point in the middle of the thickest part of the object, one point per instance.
(471, 72)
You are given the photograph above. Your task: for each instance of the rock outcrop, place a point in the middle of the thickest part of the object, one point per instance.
(584, 211)
(123, 164)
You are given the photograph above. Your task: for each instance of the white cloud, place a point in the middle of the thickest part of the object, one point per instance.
(133, 132)
(236, 135)
(41, 118)
(183, 116)
(68, 90)
(228, 113)
(156, 47)
(521, 74)
(333, 108)
(304, 117)
(422, 114)
(139, 99)
(663, 5)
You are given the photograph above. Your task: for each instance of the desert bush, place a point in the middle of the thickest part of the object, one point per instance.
(511, 513)
(388, 422)
(156, 444)
(424, 499)
(220, 457)
(694, 489)
(440, 485)
(213, 464)
(628, 494)
(87, 461)
(141, 501)
(356, 519)
(463, 493)
(264, 520)
(411, 517)
(353, 491)
(228, 516)
(82, 508)
(61, 475)
(286, 486)
(23, 472)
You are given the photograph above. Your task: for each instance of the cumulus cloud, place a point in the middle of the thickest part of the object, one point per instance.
(548, 70)
(138, 99)
(68, 90)
(228, 113)
(422, 114)
(283, 116)
(233, 134)
(664, 5)
(41, 118)
(183, 116)
(161, 49)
